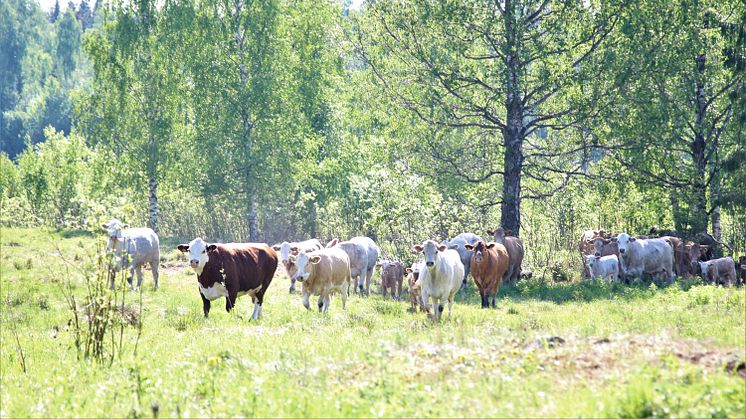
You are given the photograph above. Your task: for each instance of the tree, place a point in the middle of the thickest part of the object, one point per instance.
(55, 13)
(68, 42)
(520, 72)
(85, 15)
(670, 129)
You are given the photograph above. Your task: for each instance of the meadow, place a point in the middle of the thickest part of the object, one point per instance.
(549, 349)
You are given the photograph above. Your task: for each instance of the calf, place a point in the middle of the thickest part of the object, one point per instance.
(133, 248)
(742, 265)
(392, 275)
(286, 249)
(606, 267)
(489, 263)
(231, 270)
(514, 246)
(441, 276)
(415, 297)
(363, 254)
(719, 271)
(586, 246)
(458, 244)
(323, 272)
(644, 255)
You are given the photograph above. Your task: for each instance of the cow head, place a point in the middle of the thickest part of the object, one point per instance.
(623, 241)
(478, 249)
(284, 248)
(414, 270)
(113, 230)
(430, 248)
(598, 245)
(304, 265)
(592, 261)
(499, 235)
(199, 251)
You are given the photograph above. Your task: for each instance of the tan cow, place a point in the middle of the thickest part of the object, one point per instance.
(415, 297)
(323, 272)
(286, 249)
(489, 262)
(514, 246)
(606, 247)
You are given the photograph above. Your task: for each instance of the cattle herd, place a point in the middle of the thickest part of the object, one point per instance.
(231, 270)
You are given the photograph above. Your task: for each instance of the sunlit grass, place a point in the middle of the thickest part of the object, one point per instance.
(631, 351)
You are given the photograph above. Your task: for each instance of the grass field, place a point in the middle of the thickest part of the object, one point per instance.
(569, 349)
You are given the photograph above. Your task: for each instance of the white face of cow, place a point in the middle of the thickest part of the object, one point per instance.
(430, 248)
(113, 229)
(198, 253)
(623, 241)
(284, 250)
(303, 266)
(592, 262)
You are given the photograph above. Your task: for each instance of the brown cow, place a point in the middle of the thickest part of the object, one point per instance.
(742, 266)
(681, 265)
(489, 262)
(231, 270)
(415, 298)
(514, 246)
(392, 275)
(606, 247)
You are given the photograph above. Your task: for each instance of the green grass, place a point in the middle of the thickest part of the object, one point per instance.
(627, 351)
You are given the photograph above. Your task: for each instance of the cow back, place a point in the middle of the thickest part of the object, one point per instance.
(240, 266)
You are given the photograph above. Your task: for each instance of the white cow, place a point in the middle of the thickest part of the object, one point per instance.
(644, 255)
(719, 271)
(604, 267)
(287, 249)
(441, 276)
(363, 253)
(132, 249)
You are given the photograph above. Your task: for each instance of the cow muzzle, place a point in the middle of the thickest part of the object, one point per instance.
(621, 251)
(598, 255)
(194, 263)
(429, 264)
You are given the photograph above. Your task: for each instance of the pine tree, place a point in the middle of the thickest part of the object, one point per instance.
(55, 13)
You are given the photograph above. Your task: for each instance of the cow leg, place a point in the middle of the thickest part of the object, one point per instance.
(398, 291)
(368, 276)
(154, 267)
(131, 276)
(230, 300)
(321, 304)
(138, 270)
(383, 290)
(306, 300)
(205, 304)
(494, 299)
(292, 286)
(257, 311)
(485, 299)
(343, 294)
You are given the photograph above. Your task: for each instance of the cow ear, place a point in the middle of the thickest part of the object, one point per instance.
(105, 225)
(508, 233)
(183, 247)
(632, 239)
(614, 239)
(126, 226)
(409, 270)
(332, 243)
(491, 232)
(295, 249)
(211, 247)
(417, 248)
(468, 246)
(276, 247)
(315, 259)
(292, 258)
(490, 245)
(443, 248)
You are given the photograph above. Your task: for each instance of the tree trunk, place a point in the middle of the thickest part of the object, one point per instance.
(717, 230)
(698, 221)
(153, 204)
(514, 131)
(678, 219)
(253, 229)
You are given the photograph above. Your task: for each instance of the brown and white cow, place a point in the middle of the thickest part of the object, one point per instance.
(514, 246)
(719, 271)
(489, 263)
(392, 276)
(323, 272)
(415, 296)
(231, 270)
(286, 249)
(742, 270)
(650, 256)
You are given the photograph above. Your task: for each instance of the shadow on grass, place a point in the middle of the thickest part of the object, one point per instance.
(69, 234)
(582, 291)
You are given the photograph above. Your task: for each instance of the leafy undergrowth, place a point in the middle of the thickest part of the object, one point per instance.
(569, 349)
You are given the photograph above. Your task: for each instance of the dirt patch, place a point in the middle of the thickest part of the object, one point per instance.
(172, 268)
(12, 244)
